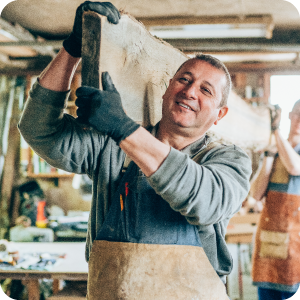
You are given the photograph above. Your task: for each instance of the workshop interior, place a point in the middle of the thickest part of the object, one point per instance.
(44, 211)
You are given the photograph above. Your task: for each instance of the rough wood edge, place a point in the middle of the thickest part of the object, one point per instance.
(91, 41)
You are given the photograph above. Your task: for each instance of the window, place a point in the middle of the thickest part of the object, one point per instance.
(285, 91)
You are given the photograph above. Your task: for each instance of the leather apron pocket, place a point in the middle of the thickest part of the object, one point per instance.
(135, 271)
(274, 244)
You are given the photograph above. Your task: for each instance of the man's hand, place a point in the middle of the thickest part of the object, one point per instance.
(103, 110)
(72, 43)
(275, 117)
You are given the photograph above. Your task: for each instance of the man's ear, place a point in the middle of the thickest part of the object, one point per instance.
(222, 113)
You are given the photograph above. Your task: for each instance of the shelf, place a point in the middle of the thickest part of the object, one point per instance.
(255, 85)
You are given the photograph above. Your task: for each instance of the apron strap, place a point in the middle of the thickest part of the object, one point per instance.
(126, 163)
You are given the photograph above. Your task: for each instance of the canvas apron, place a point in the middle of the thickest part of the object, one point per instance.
(276, 257)
(147, 251)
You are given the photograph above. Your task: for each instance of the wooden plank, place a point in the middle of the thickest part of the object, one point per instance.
(91, 50)
(141, 66)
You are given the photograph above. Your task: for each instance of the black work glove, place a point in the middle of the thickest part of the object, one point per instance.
(72, 43)
(103, 110)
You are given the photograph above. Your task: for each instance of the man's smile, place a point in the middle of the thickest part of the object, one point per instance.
(184, 106)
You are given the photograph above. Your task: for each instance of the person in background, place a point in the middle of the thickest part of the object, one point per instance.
(158, 231)
(276, 257)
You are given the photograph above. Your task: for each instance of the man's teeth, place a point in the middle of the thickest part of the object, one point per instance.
(183, 105)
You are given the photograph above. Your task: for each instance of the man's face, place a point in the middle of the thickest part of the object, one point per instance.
(295, 120)
(191, 102)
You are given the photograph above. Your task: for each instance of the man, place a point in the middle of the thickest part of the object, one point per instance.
(156, 232)
(276, 259)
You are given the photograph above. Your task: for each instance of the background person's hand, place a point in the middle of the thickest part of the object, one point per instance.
(72, 43)
(103, 110)
(271, 150)
(275, 117)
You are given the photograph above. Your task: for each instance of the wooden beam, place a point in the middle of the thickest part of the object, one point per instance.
(15, 51)
(56, 44)
(6, 62)
(238, 56)
(218, 45)
(192, 20)
(287, 68)
(17, 33)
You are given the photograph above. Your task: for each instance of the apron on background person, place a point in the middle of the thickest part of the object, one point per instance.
(147, 251)
(276, 256)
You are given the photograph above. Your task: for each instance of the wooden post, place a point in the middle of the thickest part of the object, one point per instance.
(33, 288)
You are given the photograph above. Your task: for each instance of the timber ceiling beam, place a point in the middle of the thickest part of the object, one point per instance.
(200, 45)
(15, 34)
(191, 20)
(197, 20)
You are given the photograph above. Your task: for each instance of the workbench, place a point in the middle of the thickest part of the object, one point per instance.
(72, 267)
(241, 230)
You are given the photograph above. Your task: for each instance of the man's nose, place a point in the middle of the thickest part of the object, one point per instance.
(191, 91)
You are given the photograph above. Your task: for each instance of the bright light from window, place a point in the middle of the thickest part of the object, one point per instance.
(198, 31)
(285, 91)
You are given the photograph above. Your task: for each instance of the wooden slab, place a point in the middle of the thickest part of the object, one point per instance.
(141, 66)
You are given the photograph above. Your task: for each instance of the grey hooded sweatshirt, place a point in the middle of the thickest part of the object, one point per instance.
(207, 192)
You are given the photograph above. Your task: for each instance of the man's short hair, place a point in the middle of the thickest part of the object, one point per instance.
(296, 104)
(213, 61)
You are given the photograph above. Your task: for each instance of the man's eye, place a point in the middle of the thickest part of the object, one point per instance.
(184, 79)
(206, 90)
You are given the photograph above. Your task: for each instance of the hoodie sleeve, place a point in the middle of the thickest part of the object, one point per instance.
(56, 136)
(206, 192)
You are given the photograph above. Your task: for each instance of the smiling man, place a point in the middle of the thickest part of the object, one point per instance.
(194, 101)
(156, 231)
